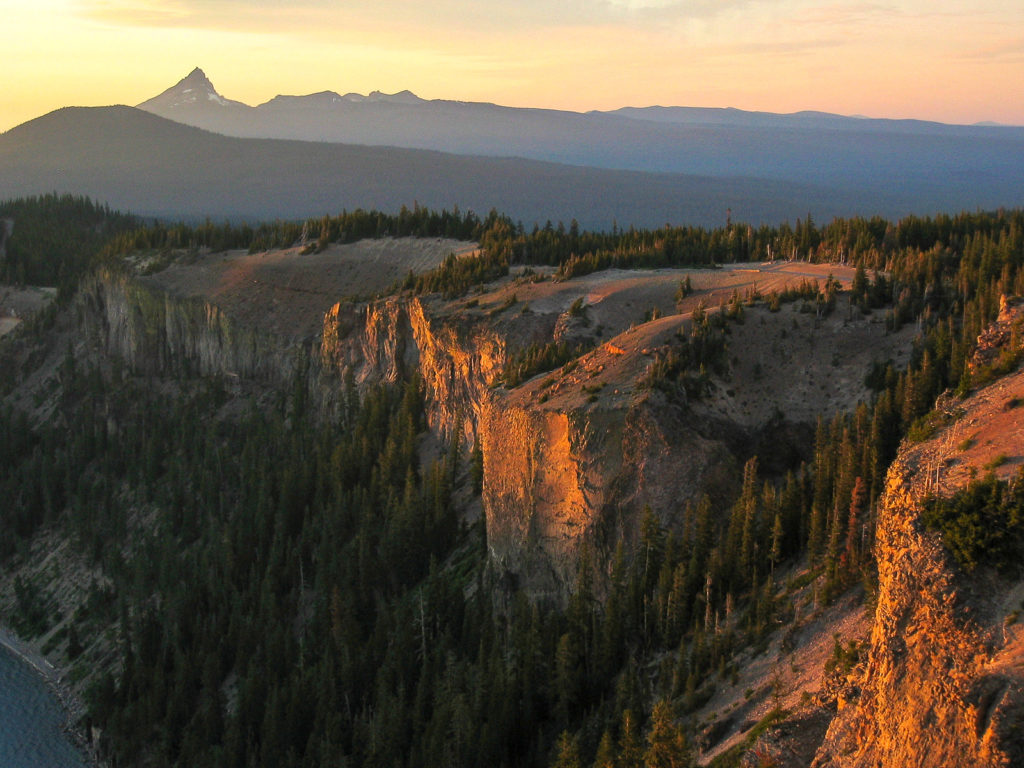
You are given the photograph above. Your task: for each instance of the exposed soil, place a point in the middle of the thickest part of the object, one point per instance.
(286, 292)
(788, 361)
(18, 303)
(618, 298)
(788, 674)
(986, 432)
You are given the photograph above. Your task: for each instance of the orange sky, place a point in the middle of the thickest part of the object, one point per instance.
(957, 62)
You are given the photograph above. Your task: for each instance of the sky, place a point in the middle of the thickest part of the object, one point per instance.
(951, 61)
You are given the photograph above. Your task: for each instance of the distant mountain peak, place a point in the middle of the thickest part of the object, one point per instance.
(197, 79)
(312, 100)
(402, 97)
(195, 94)
(194, 88)
(196, 73)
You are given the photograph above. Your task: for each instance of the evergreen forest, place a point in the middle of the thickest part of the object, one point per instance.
(281, 589)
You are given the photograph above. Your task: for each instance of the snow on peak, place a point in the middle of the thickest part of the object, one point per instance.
(195, 88)
(195, 91)
(197, 80)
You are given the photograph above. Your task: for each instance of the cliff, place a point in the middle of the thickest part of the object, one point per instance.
(155, 333)
(943, 684)
(556, 474)
(572, 456)
(560, 478)
(457, 359)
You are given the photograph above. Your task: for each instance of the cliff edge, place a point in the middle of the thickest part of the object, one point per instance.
(943, 683)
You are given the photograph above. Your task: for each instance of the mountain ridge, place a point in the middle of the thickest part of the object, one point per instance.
(652, 113)
(138, 161)
(927, 166)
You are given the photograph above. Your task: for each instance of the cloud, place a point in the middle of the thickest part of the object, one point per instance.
(848, 15)
(487, 15)
(215, 15)
(138, 14)
(777, 48)
(1004, 51)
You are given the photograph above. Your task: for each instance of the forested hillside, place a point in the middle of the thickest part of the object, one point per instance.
(279, 589)
(52, 239)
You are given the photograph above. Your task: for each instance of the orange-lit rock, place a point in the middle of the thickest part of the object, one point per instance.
(944, 679)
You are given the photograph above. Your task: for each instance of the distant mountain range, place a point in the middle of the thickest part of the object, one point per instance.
(308, 155)
(808, 147)
(146, 164)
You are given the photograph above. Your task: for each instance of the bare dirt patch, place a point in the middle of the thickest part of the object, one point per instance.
(787, 674)
(286, 292)
(797, 364)
(984, 432)
(18, 303)
(791, 361)
(619, 298)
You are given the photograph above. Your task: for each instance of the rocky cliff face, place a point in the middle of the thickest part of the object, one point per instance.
(936, 690)
(156, 333)
(558, 476)
(944, 680)
(457, 360)
(572, 457)
(558, 479)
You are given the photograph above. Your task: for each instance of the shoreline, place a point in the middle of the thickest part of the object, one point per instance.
(73, 707)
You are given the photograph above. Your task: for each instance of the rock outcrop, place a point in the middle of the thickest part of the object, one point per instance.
(558, 476)
(157, 333)
(933, 691)
(457, 360)
(572, 457)
(560, 479)
(943, 684)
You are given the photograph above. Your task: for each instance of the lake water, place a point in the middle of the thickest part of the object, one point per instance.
(31, 720)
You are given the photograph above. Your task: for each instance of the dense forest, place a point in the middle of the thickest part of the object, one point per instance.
(54, 239)
(291, 592)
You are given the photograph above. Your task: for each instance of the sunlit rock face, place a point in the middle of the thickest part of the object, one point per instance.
(572, 457)
(559, 476)
(943, 684)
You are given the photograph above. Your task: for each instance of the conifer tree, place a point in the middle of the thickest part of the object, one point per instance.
(568, 752)
(666, 744)
(605, 757)
(630, 750)
(858, 508)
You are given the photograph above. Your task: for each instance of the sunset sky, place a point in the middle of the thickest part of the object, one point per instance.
(952, 61)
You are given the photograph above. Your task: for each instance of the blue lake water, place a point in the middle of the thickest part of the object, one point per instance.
(31, 720)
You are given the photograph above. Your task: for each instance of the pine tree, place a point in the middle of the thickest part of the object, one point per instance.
(666, 744)
(778, 534)
(568, 676)
(568, 755)
(854, 525)
(605, 757)
(630, 751)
